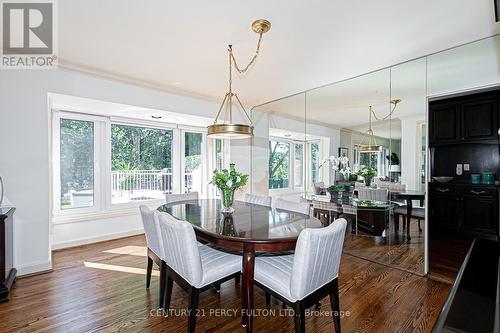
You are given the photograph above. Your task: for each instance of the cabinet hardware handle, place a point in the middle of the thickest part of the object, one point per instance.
(443, 189)
(480, 192)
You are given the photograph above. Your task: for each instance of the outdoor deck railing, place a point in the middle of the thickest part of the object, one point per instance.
(145, 180)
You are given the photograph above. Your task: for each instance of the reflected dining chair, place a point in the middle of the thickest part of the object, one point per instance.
(194, 267)
(297, 207)
(302, 279)
(377, 194)
(154, 247)
(258, 200)
(171, 198)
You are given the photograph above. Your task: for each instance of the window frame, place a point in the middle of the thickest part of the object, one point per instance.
(103, 206)
(291, 165)
(98, 195)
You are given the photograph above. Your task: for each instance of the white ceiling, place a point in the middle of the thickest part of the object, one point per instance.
(181, 46)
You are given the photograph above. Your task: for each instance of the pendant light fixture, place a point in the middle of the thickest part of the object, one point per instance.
(223, 127)
(372, 146)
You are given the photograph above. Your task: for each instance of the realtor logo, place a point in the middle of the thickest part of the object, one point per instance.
(28, 33)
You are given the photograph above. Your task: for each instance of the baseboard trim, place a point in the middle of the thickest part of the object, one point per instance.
(95, 239)
(37, 267)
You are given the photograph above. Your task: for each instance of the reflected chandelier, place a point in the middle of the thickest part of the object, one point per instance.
(226, 128)
(372, 146)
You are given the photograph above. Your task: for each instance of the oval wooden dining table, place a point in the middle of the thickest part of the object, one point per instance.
(250, 230)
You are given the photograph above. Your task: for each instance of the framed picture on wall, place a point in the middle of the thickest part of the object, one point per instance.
(345, 151)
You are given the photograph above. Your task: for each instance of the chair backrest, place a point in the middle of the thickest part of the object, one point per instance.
(152, 230)
(258, 200)
(171, 198)
(181, 249)
(317, 258)
(318, 187)
(359, 185)
(297, 207)
(378, 194)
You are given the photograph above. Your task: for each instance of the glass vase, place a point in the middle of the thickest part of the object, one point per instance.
(227, 201)
(368, 181)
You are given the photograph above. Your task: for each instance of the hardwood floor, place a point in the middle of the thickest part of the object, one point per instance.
(395, 251)
(101, 288)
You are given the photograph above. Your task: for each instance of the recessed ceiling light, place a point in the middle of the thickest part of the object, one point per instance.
(156, 117)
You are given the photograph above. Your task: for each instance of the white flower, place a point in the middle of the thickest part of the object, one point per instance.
(229, 183)
(238, 179)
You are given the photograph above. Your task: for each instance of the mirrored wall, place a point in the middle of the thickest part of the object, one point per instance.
(358, 149)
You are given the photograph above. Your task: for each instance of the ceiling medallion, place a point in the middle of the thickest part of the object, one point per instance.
(225, 128)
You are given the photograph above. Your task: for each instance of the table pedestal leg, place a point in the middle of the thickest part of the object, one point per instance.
(247, 286)
(408, 217)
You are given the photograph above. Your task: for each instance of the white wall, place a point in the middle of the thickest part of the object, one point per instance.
(24, 147)
(410, 151)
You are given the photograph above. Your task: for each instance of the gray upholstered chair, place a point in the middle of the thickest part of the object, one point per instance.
(302, 279)
(194, 267)
(258, 200)
(297, 207)
(155, 246)
(171, 198)
(377, 194)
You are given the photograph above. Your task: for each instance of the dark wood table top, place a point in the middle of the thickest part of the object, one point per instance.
(248, 223)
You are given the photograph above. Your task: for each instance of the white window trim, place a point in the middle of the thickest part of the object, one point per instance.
(291, 166)
(103, 206)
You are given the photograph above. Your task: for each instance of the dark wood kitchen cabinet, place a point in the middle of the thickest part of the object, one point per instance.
(480, 118)
(444, 119)
(466, 209)
(471, 118)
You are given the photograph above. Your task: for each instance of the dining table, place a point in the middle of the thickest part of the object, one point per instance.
(251, 230)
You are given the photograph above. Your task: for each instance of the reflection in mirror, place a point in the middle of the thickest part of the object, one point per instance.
(279, 158)
(406, 236)
(353, 159)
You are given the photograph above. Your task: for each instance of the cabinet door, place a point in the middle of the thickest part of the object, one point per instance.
(480, 215)
(443, 213)
(480, 118)
(444, 123)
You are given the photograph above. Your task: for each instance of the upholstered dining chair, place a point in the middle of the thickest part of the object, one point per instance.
(258, 200)
(302, 279)
(194, 267)
(297, 207)
(377, 194)
(171, 198)
(154, 247)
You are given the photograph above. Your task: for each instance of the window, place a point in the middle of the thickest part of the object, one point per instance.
(141, 163)
(298, 163)
(279, 164)
(193, 162)
(103, 164)
(76, 163)
(314, 162)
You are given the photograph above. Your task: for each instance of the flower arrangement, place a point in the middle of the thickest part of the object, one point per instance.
(341, 164)
(368, 174)
(228, 181)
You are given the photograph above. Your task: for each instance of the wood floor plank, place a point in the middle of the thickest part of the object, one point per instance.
(101, 288)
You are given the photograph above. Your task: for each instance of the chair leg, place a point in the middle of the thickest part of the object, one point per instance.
(300, 317)
(334, 300)
(283, 305)
(163, 278)
(193, 307)
(237, 279)
(169, 285)
(318, 305)
(419, 228)
(148, 272)
(268, 300)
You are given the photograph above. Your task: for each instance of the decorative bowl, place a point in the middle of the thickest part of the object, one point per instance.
(442, 179)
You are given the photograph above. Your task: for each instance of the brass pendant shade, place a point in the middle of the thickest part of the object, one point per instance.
(371, 146)
(226, 129)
